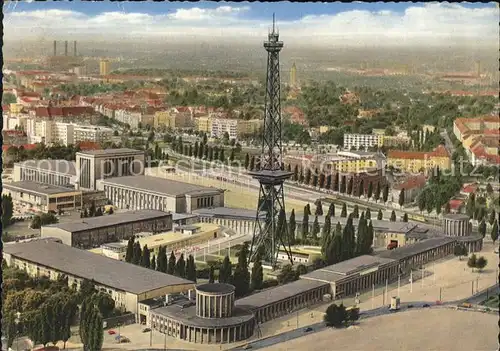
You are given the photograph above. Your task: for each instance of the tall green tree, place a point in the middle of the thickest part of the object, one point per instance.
(295, 176)
(319, 208)
(257, 274)
(385, 195)
(292, 225)
(401, 200)
(225, 271)
(361, 188)
(307, 178)
(492, 217)
(222, 158)
(247, 161)
(494, 231)
(470, 207)
(343, 185)
(191, 269)
(368, 214)
(305, 224)
(315, 230)
(171, 264)
(137, 254)
(370, 190)
(180, 267)
(331, 210)
(145, 257)
(325, 235)
(482, 228)
(211, 274)
(153, 263)
(370, 237)
(130, 250)
(241, 276)
(376, 195)
(343, 213)
(355, 211)
(393, 216)
(349, 186)
(348, 240)
(334, 251)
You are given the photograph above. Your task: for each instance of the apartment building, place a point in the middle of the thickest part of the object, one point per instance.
(362, 140)
(416, 161)
(91, 133)
(222, 126)
(173, 119)
(49, 132)
(203, 124)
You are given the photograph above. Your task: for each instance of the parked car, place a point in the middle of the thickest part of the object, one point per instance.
(426, 305)
(111, 332)
(410, 306)
(146, 330)
(308, 329)
(247, 347)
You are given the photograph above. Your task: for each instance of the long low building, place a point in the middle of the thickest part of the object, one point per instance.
(87, 233)
(355, 275)
(284, 299)
(138, 192)
(45, 197)
(126, 283)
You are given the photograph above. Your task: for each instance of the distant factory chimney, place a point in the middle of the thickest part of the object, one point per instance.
(55, 48)
(74, 48)
(66, 48)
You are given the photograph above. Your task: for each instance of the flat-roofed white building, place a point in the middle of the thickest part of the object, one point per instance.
(45, 197)
(138, 192)
(89, 233)
(126, 283)
(364, 140)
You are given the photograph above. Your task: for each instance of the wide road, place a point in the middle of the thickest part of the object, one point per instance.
(317, 327)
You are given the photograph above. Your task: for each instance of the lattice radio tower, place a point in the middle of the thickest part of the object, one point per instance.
(270, 227)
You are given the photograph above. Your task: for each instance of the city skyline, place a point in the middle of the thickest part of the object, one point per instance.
(351, 24)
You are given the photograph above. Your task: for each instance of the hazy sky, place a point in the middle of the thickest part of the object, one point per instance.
(315, 23)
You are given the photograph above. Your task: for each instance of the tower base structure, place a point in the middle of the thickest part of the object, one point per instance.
(270, 230)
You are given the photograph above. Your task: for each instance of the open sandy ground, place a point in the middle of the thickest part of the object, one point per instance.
(431, 330)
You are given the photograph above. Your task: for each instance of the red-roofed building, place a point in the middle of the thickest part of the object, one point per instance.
(456, 205)
(412, 186)
(67, 111)
(469, 189)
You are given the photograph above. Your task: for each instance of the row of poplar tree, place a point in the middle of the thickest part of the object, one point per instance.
(312, 237)
(179, 267)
